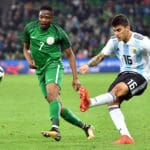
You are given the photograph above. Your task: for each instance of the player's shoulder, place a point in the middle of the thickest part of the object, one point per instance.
(113, 37)
(141, 38)
(32, 24)
(57, 27)
(138, 36)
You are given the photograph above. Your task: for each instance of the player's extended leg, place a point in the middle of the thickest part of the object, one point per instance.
(70, 117)
(86, 102)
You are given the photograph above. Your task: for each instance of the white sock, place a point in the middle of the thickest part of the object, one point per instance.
(118, 120)
(55, 126)
(102, 99)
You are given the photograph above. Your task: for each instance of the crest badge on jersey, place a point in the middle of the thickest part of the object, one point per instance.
(50, 40)
(134, 51)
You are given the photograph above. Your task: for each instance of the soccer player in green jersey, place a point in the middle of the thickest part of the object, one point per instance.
(44, 43)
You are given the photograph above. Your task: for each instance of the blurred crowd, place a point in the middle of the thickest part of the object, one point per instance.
(87, 23)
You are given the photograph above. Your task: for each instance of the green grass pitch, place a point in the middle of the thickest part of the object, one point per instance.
(24, 114)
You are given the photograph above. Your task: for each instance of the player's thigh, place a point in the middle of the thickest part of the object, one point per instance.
(42, 84)
(136, 83)
(54, 75)
(120, 89)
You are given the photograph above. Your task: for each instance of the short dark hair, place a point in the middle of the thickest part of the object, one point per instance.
(120, 19)
(47, 8)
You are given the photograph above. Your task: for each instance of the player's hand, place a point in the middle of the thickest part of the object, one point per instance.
(84, 69)
(32, 64)
(76, 84)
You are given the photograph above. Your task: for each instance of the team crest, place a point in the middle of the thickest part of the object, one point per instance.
(134, 51)
(50, 40)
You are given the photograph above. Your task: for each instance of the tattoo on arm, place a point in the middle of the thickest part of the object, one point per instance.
(96, 60)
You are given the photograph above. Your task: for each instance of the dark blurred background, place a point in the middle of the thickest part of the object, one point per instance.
(86, 21)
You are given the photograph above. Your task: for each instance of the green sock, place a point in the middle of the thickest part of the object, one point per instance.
(55, 109)
(71, 118)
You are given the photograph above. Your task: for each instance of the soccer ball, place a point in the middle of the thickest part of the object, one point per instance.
(1, 73)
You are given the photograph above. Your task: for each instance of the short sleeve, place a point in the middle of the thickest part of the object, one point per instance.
(26, 36)
(109, 47)
(146, 44)
(65, 42)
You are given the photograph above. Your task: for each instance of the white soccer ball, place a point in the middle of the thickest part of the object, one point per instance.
(1, 73)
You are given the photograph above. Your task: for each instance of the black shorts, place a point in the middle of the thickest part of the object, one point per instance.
(135, 82)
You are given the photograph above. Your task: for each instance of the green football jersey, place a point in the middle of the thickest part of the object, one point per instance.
(46, 46)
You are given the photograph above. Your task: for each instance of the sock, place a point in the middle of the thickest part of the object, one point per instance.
(55, 109)
(102, 99)
(71, 118)
(118, 120)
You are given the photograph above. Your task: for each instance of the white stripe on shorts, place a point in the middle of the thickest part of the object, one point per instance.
(57, 73)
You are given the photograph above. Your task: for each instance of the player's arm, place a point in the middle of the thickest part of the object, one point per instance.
(72, 62)
(93, 62)
(106, 51)
(96, 60)
(28, 56)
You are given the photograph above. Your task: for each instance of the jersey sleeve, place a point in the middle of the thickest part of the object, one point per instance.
(26, 36)
(109, 48)
(65, 42)
(146, 44)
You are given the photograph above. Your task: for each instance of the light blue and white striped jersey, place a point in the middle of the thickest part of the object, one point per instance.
(133, 55)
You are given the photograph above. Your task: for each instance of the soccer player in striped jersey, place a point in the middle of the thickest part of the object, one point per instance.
(133, 51)
(44, 43)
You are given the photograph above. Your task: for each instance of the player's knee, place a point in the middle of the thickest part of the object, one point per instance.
(114, 104)
(51, 97)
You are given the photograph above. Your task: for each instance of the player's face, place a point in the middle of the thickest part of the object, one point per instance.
(45, 18)
(122, 32)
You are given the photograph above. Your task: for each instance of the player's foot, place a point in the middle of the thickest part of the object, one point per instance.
(84, 99)
(124, 139)
(54, 133)
(89, 129)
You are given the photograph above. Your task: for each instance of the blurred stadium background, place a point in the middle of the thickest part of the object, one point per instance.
(86, 21)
